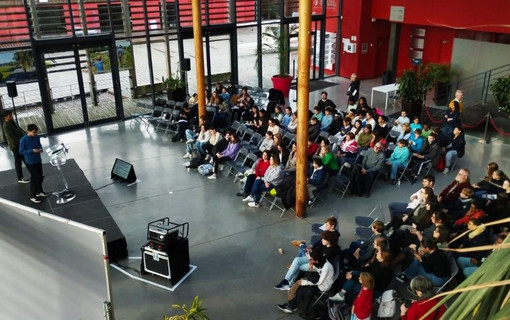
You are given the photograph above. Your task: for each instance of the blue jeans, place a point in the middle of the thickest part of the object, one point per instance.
(466, 266)
(416, 269)
(298, 264)
(200, 148)
(449, 158)
(398, 209)
(395, 166)
(190, 134)
(257, 189)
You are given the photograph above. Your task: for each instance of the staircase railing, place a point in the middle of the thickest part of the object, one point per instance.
(476, 88)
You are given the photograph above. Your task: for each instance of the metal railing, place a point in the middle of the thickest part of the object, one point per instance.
(478, 85)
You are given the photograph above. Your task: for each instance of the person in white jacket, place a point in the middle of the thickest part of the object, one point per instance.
(304, 288)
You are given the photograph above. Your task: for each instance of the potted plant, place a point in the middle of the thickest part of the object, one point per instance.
(500, 90)
(175, 88)
(441, 75)
(413, 84)
(195, 312)
(279, 42)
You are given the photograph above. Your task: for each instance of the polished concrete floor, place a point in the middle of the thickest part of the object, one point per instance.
(235, 248)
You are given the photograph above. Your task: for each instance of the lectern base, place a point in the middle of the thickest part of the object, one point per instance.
(64, 196)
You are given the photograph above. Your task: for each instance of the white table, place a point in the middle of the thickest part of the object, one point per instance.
(386, 89)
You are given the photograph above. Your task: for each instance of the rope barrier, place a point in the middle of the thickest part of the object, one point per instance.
(501, 132)
(469, 126)
(430, 116)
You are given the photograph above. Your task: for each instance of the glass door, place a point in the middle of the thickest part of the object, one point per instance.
(79, 87)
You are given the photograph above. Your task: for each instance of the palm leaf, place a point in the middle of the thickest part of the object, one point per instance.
(484, 294)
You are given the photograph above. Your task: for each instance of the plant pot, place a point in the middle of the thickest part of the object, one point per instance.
(282, 83)
(413, 108)
(178, 95)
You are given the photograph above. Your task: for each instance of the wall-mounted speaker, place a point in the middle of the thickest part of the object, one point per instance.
(186, 64)
(11, 89)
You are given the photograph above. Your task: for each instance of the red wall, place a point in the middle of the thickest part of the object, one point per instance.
(489, 15)
(357, 21)
(437, 47)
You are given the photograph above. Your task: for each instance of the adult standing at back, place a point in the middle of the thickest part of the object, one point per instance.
(30, 147)
(353, 91)
(14, 133)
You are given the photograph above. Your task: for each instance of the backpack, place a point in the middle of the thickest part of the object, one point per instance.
(205, 169)
(338, 310)
(195, 162)
(387, 305)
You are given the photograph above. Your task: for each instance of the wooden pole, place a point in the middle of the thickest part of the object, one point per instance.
(199, 55)
(305, 19)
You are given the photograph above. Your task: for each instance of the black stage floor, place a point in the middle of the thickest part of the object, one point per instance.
(86, 208)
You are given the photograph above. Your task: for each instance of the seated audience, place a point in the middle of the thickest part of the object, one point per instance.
(226, 155)
(363, 177)
(272, 178)
(455, 149)
(453, 190)
(398, 159)
(398, 209)
(314, 129)
(424, 289)
(325, 102)
(365, 137)
(259, 169)
(317, 176)
(429, 262)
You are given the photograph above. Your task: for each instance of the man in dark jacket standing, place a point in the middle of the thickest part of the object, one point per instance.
(30, 147)
(14, 133)
(353, 91)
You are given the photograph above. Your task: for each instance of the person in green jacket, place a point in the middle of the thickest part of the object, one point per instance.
(329, 160)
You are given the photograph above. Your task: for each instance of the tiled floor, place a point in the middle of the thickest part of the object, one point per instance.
(234, 247)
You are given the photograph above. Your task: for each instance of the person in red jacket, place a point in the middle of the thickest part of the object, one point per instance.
(474, 212)
(362, 305)
(425, 290)
(452, 192)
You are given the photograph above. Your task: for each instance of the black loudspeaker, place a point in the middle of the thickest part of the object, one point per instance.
(186, 64)
(11, 89)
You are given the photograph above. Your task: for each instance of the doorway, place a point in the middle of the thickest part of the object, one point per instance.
(77, 89)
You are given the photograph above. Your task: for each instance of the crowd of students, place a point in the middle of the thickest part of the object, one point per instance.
(410, 247)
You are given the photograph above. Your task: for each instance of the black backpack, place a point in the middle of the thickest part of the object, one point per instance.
(338, 310)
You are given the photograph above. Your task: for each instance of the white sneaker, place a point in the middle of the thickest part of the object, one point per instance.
(337, 297)
(222, 166)
(207, 158)
(212, 176)
(248, 199)
(187, 155)
(446, 170)
(253, 204)
(190, 141)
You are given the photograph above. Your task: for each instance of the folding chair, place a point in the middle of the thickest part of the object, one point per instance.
(402, 173)
(143, 111)
(156, 113)
(238, 163)
(336, 267)
(288, 139)
(235, 125)
(364, 223)
(318, 191)
(341, 182)
(255, 142)
(164, 120)
(246, 138)
(251, 158)
(322, 135)
(273, 202)
(454, 269)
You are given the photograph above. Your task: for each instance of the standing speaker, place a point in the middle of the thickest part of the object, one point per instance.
(186, 64)
(11, 89)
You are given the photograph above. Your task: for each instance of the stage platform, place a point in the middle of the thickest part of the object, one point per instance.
(86, 208)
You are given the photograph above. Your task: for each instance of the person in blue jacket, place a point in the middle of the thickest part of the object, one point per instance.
(398, 159)
(30, 147)
(317, 176)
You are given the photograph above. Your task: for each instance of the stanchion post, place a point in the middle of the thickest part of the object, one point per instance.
(485, 137)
